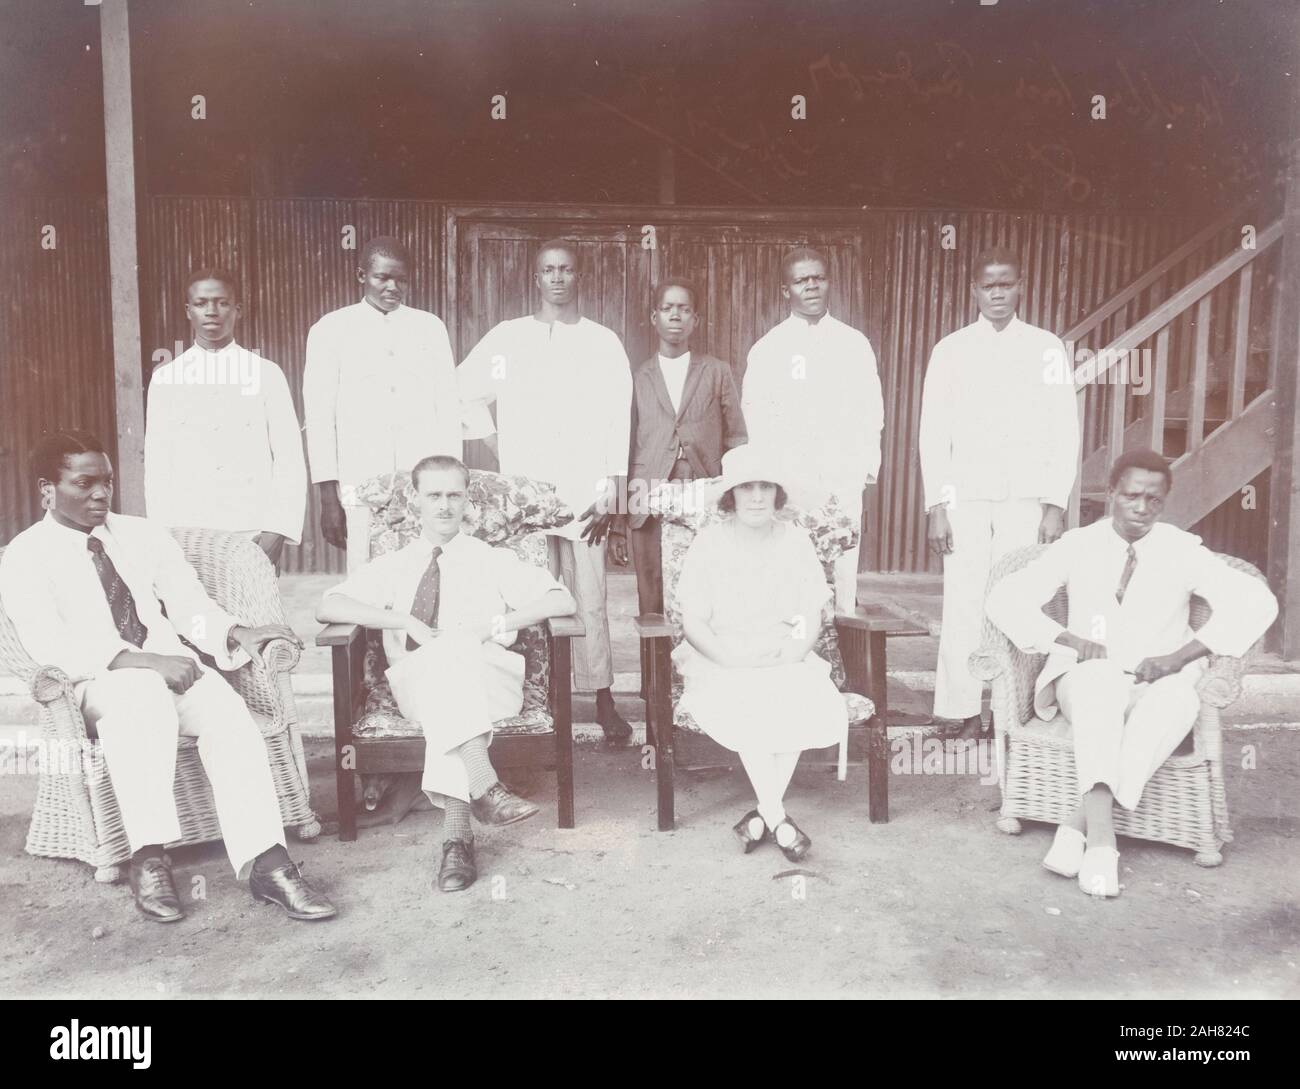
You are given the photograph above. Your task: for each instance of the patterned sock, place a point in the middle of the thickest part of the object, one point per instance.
(477, 765)
(455, 821)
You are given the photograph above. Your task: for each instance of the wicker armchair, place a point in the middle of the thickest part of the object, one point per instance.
(1184, 803)
(76, 813)
(370, 734)
(853, 644)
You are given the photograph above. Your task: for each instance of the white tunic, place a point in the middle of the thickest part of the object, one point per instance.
(1152, 620)
(222, 445)
(564, 405)
(379, 393)
(999, 419)
(812, 391)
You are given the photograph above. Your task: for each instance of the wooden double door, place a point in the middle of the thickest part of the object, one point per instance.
(734, 260)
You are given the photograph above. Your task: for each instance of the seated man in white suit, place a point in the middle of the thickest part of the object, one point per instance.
(85, 590)
(449, 606)
(1124, 669)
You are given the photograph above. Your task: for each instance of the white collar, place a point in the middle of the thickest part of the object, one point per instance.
(986, 326)
(233, 346)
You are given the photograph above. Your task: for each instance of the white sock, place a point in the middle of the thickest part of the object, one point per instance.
(785, 835)
(760, 768)
(757, 826)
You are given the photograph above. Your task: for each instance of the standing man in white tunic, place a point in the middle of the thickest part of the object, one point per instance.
(379, 393)
(999, 439)
(222, 444)
(563, 390)
(811, 390)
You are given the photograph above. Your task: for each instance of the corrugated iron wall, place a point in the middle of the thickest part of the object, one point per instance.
(918, 292)
(297, 260)
(292, 258)
(56, 347)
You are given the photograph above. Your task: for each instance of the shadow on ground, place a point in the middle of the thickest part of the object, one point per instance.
(934, 903)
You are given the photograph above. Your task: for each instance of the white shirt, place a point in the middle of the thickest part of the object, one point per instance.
(476, 582)
(674, 372)
(1152, 620)
(564, 405)
(222, 445)
(811, 390)
(51, 590)
(999, 419)
(379, 393)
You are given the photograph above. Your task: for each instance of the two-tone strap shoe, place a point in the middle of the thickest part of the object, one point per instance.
(154, 890)
(286, 886)
(745, 832)
(458, 870)
(796, 851)
(499, 806)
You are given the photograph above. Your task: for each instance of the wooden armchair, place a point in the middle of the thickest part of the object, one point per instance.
(370, 734)
(853, 644)
(76, 813)
(1184, 803)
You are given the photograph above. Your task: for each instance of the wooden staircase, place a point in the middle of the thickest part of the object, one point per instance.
(1204, 395)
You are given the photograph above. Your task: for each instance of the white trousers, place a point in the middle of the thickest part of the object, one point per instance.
(846, 581)
(1124, 731)
(983, 531)
(455, 687)
(139, 720)
(358, 534)
(582, 570)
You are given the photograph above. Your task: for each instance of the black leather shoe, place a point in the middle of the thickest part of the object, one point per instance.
(499, 806)
(154, 890)
(457, 870)
(749, 841)
(286, 886)
(796, 851)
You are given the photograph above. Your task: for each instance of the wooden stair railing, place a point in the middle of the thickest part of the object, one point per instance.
(1217, 474)
(1090, 323)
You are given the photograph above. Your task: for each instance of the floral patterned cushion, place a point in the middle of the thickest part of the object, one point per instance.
(688, 507)
(501, 508)
(504, 510)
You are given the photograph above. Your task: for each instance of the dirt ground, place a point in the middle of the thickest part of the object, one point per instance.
(935, 903)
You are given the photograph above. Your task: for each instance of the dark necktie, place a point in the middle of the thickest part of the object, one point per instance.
(120, 602)
(1130, 562)
(425, 606)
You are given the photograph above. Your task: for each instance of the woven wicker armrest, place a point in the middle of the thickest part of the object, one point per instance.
(653, 626)
(338, 635)
(281, 655)
(565, 627)
(48, 684)
(1220, 685)
(989, 661)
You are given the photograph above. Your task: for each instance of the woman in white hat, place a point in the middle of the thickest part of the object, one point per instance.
(751, 595)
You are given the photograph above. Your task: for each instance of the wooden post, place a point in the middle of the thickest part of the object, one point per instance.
(123, 254)
(1284, 486)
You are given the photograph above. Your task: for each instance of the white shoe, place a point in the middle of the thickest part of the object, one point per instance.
(1099, 872)
(1066, 855)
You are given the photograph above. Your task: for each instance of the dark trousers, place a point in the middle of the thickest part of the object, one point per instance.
(647, 553)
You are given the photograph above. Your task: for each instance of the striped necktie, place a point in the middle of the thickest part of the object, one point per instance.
(425, 606)
(120, 602)
(1130, 562)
